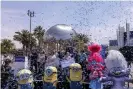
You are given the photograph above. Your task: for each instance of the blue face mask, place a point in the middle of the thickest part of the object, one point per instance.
(26, 86)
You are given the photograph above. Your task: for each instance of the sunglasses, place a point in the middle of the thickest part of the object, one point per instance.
(75, 69)
(24, 76)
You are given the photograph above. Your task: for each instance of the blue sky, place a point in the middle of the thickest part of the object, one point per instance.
(98, 20)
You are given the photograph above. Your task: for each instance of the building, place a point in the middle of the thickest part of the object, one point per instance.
(130, 41)
(124, 38)
(113, 42)
(120, 36)
(104, 50)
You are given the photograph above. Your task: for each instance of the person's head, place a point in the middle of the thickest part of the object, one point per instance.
(59, 52)
(24, 77)
(5, 55)
(82, 51)
(7, 61)
(94, 53)
(43, 52)
(72, 56)
(94, 48)
(115, 61)
(68, 54)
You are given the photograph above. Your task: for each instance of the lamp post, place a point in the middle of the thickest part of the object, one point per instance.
(30, 14)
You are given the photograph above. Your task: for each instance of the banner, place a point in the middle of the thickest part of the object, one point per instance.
(67, 63)
(21, 62)
(19, 59)
(52, 61)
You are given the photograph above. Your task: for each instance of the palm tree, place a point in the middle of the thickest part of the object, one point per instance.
(127, 51)
(24, 38)
(39, 34)
(81, 37)
(7, 46)
(79, 40)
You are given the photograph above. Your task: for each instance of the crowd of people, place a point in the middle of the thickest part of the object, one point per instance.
(42, 60)
(95, 68)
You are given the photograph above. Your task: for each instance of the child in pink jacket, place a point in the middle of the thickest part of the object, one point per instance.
(96, 66)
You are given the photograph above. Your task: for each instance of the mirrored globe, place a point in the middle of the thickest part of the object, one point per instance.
(60, 31)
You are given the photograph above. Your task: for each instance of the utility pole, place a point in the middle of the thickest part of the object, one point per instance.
(30, 14)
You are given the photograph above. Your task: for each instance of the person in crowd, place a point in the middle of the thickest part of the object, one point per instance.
(41, 61)
(69, 49)
(25, 79)
(68, 56)
(72, 57)
(76, 57)
(52, 60)
(40, 72)
(83, 62)
(50, 78)
(83, 59)
(6, 72)
(96, 66)
(64, 71)
(60, 55)
(34, 58)
(61, 74)
(117, 70)
(75, 76)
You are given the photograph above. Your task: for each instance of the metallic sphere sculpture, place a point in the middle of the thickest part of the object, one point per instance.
(60, 32)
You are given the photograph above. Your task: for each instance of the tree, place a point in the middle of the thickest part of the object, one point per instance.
(79, 40)
(81, 37)
(7, 46)
(24, 38)
(127, 51)
(39, 34)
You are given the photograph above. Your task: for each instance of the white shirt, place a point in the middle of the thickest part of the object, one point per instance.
(52, 61)
(41, 58)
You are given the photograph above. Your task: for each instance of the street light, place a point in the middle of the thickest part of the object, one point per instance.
(30, 14)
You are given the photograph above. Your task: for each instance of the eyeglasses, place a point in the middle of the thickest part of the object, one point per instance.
(24, 76)
(75, 69)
